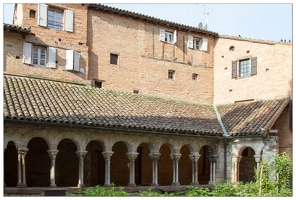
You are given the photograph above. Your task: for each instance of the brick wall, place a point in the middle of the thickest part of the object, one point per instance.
(46, 37)
(274, 70)
(144, 61)
(284, 132)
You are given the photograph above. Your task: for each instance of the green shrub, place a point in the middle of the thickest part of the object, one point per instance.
(102, 191)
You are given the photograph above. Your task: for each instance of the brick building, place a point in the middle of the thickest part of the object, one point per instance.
(95, 95)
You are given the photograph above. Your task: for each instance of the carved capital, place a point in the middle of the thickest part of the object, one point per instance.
(176, 157)
(52, 153)
(22, 151)
(107, 154)
(194, 158)
(132, 156)
(236, 158)
(81, 154)
(154, 156)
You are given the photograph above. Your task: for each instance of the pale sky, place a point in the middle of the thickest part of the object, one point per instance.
(264, 21)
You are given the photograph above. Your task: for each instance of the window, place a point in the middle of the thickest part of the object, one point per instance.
(55, 18)
(39, 56)
(113, 59)
(171, 74)
(194, 77)
(247, 67)
(32, 13)
(98, 84)
(197, 43)
(244, 68)
(167, 36)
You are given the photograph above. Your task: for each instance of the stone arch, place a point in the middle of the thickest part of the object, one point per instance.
(10, 164)
(119, 166)
(247, 164)
(185, 165)
(204, 165)
(165, 165)
(143, 165)
(94, 168)
(67, 164)
(37, 163)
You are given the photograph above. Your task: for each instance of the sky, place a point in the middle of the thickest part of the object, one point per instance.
(263, 21)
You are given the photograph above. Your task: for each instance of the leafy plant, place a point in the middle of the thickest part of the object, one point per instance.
(102, 191)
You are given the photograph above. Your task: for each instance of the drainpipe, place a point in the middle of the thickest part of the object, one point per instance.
(226, 136)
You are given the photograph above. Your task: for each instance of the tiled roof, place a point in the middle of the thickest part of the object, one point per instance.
(251, 118)
(121, 12)
(16, 28)
(29, 99)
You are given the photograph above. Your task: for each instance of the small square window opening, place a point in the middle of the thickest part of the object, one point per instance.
(171, 74)
(113, 59)
(98, 84)
(194, 77)
(32, 13)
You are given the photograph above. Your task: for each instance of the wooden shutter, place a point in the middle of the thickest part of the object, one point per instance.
(204, 44)
(69, 21)
(52, 57)
(190, 41)
(175, 36)
(254, 66)
(42, 14)
(162, 35)
(69, 59)
(76, 60)
(234, 69)
(27, 48)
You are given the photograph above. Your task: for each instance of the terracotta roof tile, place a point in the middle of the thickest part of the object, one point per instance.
(249, 117)
(40, 100)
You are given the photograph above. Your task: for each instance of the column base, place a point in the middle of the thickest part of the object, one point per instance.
(211, 182)
(107, 184)
(194, 183)
(81, 185)
(22, 185)
(155, 184)
(53, 185)
(132, 185)
(175, 184)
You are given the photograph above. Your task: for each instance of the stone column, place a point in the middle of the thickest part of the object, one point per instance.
(213, 161)
(154, 157)
(21, 167)
(132, 157)
(52, 154)
(235, 168)
(257, 159)
(107, 156)
(175, 159)
(81, 156)
(194, 159)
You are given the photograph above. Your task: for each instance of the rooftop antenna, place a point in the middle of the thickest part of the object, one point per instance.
(204, 23)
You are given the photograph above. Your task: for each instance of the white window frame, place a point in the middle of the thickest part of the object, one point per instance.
(197, 43)
(28, 55)
(39, 54)
(168, 36)
(67, 17)
(55, 23)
